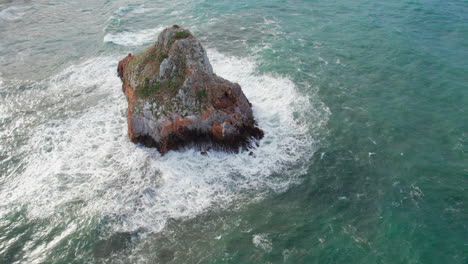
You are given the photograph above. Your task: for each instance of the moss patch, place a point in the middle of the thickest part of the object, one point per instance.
(160, 90)
(201, 95)
(162, 56)
(148, 88)
(140, 61)
(181, 35)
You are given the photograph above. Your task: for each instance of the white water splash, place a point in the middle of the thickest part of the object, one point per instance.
(263, 242)
(86, 163)
(141, 37)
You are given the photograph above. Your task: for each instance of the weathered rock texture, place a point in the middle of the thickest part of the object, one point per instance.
(175, 99)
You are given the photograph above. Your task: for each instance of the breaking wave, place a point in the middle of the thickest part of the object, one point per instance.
(83, 161)
(133, 38)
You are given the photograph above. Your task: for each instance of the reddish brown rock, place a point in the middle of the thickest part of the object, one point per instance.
(175, 100)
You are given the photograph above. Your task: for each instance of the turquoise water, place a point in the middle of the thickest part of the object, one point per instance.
(365, 159)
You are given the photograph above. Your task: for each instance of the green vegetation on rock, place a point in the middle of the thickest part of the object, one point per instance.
(181, 35)
(201, 95)
(148, 88)
(162, 56)
(153, 88)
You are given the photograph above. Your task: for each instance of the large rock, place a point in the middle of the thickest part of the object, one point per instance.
(175, 99)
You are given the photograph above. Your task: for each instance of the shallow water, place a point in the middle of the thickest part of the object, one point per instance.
(364, 158)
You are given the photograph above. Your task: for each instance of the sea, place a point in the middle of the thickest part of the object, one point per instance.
(364, 105)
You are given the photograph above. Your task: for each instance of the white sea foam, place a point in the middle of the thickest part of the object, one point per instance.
(263, 242)
(141, 9)
(85, 163)
(141, 37)
(12, 13)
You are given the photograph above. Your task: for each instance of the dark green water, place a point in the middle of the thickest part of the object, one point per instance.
(365, 159)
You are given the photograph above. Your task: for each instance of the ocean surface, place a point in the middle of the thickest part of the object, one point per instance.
(364, 105)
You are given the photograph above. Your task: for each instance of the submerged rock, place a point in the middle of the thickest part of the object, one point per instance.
(175, 99)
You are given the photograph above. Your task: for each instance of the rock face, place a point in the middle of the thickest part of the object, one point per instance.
(175, 99)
